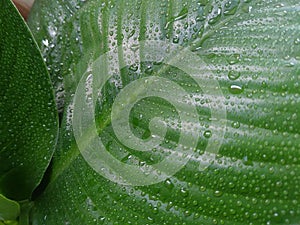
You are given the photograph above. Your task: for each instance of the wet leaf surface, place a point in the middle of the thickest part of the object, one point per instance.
(27, 109)
(251, 48)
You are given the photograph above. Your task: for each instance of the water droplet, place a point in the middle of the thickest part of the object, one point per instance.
(149, 70)
(235, 124)
(131, 33)
(184, 192)
(231, 184)
(133, 68)
(233, 75)
(175, 40)
(183, 14)
(45, 42)
(200, 18)
(235, 89)
(232, 211)
(169, 184)
(246, 161)
(202, 188)
(134, 47)
(231, 7)
(215, 17)
(218, 193)
(207, 133)
(233, 59)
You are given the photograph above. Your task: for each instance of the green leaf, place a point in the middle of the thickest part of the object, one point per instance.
(250, 48)
(9, 210)
(27, 109)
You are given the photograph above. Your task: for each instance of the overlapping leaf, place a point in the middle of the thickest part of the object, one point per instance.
(28, 113)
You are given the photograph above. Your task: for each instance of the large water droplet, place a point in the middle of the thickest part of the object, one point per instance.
(233, 75)
(215, 18)
(183, 14)
(233, 59)
(231, 7)
(207, 134)
(235, 89)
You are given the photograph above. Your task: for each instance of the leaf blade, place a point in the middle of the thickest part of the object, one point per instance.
(244, 183)
(28, 112)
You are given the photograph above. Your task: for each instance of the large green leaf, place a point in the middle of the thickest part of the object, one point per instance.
(28, 114)
(251, 48)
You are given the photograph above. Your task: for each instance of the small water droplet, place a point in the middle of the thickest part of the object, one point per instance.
(131, 33)
(202, 188)
(218, 193)
(133, 68)
(231, 184)
(45, 42)
(149, 70)
(235, 124)
(246, 161)
(184, 192)
(175, 40)
(257, 189)
(169, 184)
(297, 41)
(134, 47)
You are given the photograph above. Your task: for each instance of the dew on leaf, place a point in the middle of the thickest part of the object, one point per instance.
(235, 124)
(182, 14)
(149, 70)
(216, 17)
(246, 161)
(233, 59)
(218, 193)
(175, 40)
(184, 192)
(233, 75)
(236, 89)
(207, 134)
(231, 7)
(133, 68)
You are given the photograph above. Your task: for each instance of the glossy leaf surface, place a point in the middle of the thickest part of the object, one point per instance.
(251, 48)
(27, 109)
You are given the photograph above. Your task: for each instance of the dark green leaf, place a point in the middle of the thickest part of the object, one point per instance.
(251, 48)
(28, 113)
